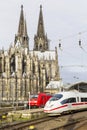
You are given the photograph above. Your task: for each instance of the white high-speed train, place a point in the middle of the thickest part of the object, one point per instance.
(66, 102)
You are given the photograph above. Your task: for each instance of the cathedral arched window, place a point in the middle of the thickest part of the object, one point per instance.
(33, 68)
(24, 38)
(4, 65)
(40, 46)
(36, 46)
(23, 64)
(47, 78)
(12, 64)
(0, 65)
(39, 69)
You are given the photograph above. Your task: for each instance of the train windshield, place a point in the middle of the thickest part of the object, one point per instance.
(56, 97)
(33, 96)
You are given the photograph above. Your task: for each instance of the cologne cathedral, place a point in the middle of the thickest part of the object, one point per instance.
(23, 70)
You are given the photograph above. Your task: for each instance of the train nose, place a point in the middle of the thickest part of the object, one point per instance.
(48, 106)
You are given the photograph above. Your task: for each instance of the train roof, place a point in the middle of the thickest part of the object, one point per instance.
(79, 86)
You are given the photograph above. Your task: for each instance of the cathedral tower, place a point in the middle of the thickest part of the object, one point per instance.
(23, 70)
(22, 35)
(40, 39)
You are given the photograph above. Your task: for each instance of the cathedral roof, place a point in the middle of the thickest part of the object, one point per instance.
(47, 55)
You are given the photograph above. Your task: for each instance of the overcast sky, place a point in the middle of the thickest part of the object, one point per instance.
(63, 19)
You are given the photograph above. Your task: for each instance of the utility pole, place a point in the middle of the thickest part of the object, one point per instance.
(16, 93)
(29, 100)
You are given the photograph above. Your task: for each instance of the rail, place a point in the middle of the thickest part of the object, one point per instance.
(23, 124)
(74, 124)
(63, 122)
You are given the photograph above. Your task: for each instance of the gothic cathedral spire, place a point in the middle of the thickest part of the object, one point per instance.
(40, 39)
(40, 30)
(21, 22)
(22, 35)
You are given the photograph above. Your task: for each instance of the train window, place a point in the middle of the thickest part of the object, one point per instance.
(83, 99)
(72, 100)
(68, 100)
(56, 97)
(33, 96)
(64, 101)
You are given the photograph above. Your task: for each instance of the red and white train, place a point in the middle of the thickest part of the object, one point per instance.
(67, 101)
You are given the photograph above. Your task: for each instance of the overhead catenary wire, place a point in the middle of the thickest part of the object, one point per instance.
(67, 51)
(71, 36)
(74, 35)
(60, 44)
(65, 66)
(80, 43)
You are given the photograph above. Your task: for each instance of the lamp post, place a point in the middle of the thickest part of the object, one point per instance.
(25, 78)
(12, 87)
(29, 100)
(1, 94)
(60, 85)
(16, 96)
(25, 85)
(2, 89)
(36, 84)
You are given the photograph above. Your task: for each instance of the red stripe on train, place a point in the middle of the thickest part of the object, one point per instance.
(74, 104)
(56, 108)
(81, 103)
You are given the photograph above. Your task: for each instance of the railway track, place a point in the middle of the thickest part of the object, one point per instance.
(23, 124)
(64, 122)
(7, 109)
(74, 125)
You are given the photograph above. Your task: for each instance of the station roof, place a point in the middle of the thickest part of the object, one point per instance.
(54, 84)
(80, 86)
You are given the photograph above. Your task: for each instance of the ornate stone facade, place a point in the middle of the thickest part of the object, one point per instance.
(23, 70)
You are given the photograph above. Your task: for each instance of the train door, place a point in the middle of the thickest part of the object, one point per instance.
(69, 105)
(43, 100)
(70, 101)
(78, 99)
